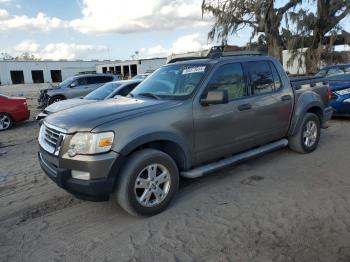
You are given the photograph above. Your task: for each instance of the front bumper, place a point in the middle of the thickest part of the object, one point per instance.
(102, 169)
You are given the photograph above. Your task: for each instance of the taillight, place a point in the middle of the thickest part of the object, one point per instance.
(329, 94)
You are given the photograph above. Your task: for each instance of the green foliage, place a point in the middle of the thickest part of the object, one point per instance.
(318, 30)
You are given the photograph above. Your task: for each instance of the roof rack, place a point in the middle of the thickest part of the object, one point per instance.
(213, 53)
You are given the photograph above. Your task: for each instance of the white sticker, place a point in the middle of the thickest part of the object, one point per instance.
(193, 70)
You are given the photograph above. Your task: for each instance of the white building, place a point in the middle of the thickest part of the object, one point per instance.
(28, 72)
(131, 68)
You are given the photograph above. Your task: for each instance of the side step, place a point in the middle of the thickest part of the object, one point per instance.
(215, 166)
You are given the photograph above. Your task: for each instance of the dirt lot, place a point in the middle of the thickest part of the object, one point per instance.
(280, 207)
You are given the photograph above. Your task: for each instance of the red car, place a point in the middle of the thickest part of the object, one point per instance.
(12, 109)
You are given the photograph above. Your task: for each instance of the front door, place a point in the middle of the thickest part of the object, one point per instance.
(224, 129)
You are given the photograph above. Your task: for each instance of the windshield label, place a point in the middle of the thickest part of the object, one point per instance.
(193, 70)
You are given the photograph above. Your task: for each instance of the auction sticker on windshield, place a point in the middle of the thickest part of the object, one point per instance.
(193, 70)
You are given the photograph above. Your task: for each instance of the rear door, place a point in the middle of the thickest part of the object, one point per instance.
(224, 129)
(271, 103)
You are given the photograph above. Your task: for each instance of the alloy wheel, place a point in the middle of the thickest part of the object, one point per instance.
(310, 134)
(152, 185)
(5, 122)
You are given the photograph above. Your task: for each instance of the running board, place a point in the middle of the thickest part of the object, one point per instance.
(215, 166)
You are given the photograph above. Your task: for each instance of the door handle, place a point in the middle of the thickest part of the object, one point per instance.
(286, 98)
(244, 107)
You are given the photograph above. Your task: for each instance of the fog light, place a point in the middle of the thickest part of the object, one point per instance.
(80, 175)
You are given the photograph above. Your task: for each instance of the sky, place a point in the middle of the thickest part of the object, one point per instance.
(106, 29)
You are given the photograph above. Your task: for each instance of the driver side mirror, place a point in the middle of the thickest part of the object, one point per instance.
(215, 97)
(73, 85)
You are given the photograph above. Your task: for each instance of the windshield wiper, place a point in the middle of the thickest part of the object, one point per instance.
(150, 95)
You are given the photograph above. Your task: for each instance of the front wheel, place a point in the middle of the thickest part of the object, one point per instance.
(55, 99)
(308, 135)
(148, 182)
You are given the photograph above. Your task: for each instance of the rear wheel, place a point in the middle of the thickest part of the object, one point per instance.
(5, 121)
(56, 99)
(308, 135)
(149, 181)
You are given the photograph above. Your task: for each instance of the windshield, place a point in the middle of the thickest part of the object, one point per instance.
(321, 73)
(66, 82)
(102, 92)
(172, 82)
(139, 77)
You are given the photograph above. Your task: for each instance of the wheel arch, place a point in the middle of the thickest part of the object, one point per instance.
(309, 102)
(168, 143)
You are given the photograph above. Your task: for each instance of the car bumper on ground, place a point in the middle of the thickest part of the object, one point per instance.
(100, 167)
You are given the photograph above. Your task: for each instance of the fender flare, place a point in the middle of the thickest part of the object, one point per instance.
(156, 137)
(306, 101)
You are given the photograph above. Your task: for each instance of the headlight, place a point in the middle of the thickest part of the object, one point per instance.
(89, 143)
(343, 92)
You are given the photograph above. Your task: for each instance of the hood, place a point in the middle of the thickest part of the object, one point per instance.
(66, 104)
(337, 85)
(87, 117)
(50, 88)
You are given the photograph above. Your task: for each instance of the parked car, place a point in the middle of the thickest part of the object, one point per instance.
(12, 109)
(107, 91)
(187, 119)
(339, 82)
(72, 87)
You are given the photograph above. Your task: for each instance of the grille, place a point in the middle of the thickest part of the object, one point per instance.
(50, 138)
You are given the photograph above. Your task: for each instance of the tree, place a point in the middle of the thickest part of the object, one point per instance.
(318, 32)
(27, 56)
(261, 15)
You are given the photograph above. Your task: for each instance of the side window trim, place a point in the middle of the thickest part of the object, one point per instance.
(273, 68)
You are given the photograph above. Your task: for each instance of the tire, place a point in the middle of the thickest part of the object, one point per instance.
(306, 139)
(137, 193)
(55, 99)
(5, 122)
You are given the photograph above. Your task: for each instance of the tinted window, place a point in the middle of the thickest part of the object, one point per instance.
(80, 81)
(229, 77)
(102, 79)
(261, 77)
(93, 80)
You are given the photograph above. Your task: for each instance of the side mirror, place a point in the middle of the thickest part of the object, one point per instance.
(215, 97)
(73, 85)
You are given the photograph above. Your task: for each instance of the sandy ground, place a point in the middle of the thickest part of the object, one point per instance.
(280, 207)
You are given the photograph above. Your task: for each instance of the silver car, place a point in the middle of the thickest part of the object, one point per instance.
(76, 86)
(107, 91)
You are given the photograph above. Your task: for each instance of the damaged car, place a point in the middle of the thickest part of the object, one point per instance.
(76, 86)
